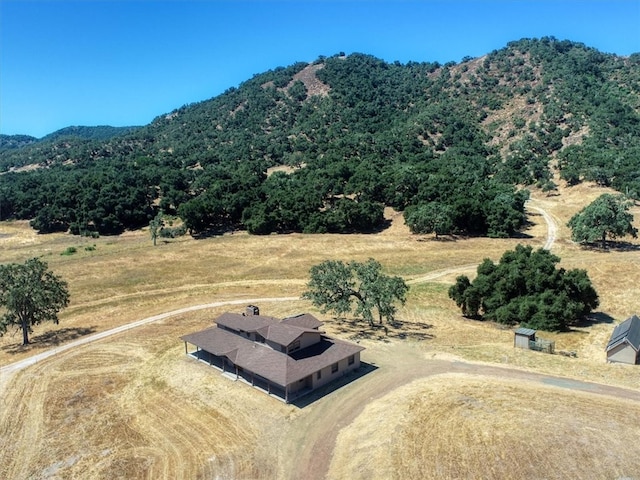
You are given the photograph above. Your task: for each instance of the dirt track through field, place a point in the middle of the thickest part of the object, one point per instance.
(8, 370)
(552, 227)
(313, 446)
(307, 447)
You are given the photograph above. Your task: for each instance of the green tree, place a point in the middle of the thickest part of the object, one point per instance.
(433, 217)
(336, 286)
(30, 294)
(525, 287)
(607, 216)
(155, 226)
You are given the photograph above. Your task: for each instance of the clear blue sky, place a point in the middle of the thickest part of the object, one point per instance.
(119, 63)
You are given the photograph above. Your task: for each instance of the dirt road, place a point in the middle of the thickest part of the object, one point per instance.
(313, 436)
(7, 370)
(552, 226)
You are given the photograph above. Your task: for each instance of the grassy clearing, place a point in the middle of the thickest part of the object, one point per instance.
(456, 426)
(134, 406)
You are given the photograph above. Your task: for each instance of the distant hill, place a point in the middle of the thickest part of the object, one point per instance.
(358, 133)
(102, 132)
(8, 142)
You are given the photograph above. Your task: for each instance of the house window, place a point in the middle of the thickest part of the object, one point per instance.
(294, 346)
(334, 368)
(352, 359)
(319, 375)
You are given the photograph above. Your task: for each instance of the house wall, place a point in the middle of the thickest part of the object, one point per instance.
(309, 338)
(623, 353)
(299, 385)
(343, 368)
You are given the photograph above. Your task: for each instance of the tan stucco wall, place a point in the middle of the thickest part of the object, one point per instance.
(623, 353)
(343, 368)
(309, 338)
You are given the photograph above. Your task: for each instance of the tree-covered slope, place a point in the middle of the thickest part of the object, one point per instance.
(358, 134)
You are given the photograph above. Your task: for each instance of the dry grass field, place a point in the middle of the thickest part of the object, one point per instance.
(134, 406)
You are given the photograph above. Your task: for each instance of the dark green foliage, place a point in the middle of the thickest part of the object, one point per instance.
(607, 216)
(526, 288)
(364, 135)
(30, 294)
(8, 142)
(429, 218)
(335, 286)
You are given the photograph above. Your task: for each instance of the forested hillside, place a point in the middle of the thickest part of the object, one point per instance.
(453, 146)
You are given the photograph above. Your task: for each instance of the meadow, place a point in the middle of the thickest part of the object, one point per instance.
(135, 406)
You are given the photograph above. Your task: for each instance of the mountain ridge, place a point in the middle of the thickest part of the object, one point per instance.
(369, 133)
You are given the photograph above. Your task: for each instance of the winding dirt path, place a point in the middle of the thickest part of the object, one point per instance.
(307, 448)
(313, 437)
(12, 368)
(552, 226)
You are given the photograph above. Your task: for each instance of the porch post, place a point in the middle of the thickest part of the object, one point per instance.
(185, 348)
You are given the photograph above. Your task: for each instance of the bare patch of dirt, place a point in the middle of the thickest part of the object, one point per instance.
(313, 85)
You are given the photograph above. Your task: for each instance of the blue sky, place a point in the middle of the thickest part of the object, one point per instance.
(112, 62)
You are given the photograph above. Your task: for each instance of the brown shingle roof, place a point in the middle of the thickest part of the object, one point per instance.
(249, 323)
(279, 368)
(305, 320)
(283, 334)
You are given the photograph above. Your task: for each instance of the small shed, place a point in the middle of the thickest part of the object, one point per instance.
(522, 337)
(624, 344)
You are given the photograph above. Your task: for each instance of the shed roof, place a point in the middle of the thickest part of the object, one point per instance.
(279, 368)
(627, 331)
(528, 332)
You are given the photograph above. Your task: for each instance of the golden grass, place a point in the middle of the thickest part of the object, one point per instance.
(457, 426)
(134, 406)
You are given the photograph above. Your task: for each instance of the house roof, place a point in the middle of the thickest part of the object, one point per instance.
(525, 331)
(279, 368)
(305, 320)
(248, 323)
(627, 331)
(283, 334)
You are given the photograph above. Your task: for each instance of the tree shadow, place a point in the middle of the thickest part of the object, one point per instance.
(355, 330)
(439, 238)
(213, 232)
(52, 338)
(594, 318)
(611, 246)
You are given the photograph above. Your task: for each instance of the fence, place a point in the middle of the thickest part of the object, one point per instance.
(541, 345)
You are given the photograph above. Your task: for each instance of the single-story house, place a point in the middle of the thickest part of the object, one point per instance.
(624, 344)
(287, 358)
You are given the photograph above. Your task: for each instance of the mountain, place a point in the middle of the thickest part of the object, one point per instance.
(101, 132)
(8, 142)
(355, 133)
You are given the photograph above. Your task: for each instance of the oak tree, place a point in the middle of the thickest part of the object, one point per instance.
(607, 216)
(359, 287)
(30, 294)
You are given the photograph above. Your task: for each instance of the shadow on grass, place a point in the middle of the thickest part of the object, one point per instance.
(315, 395)
(50, 339)
(594, 319)
(355, 330)
(611, 246)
